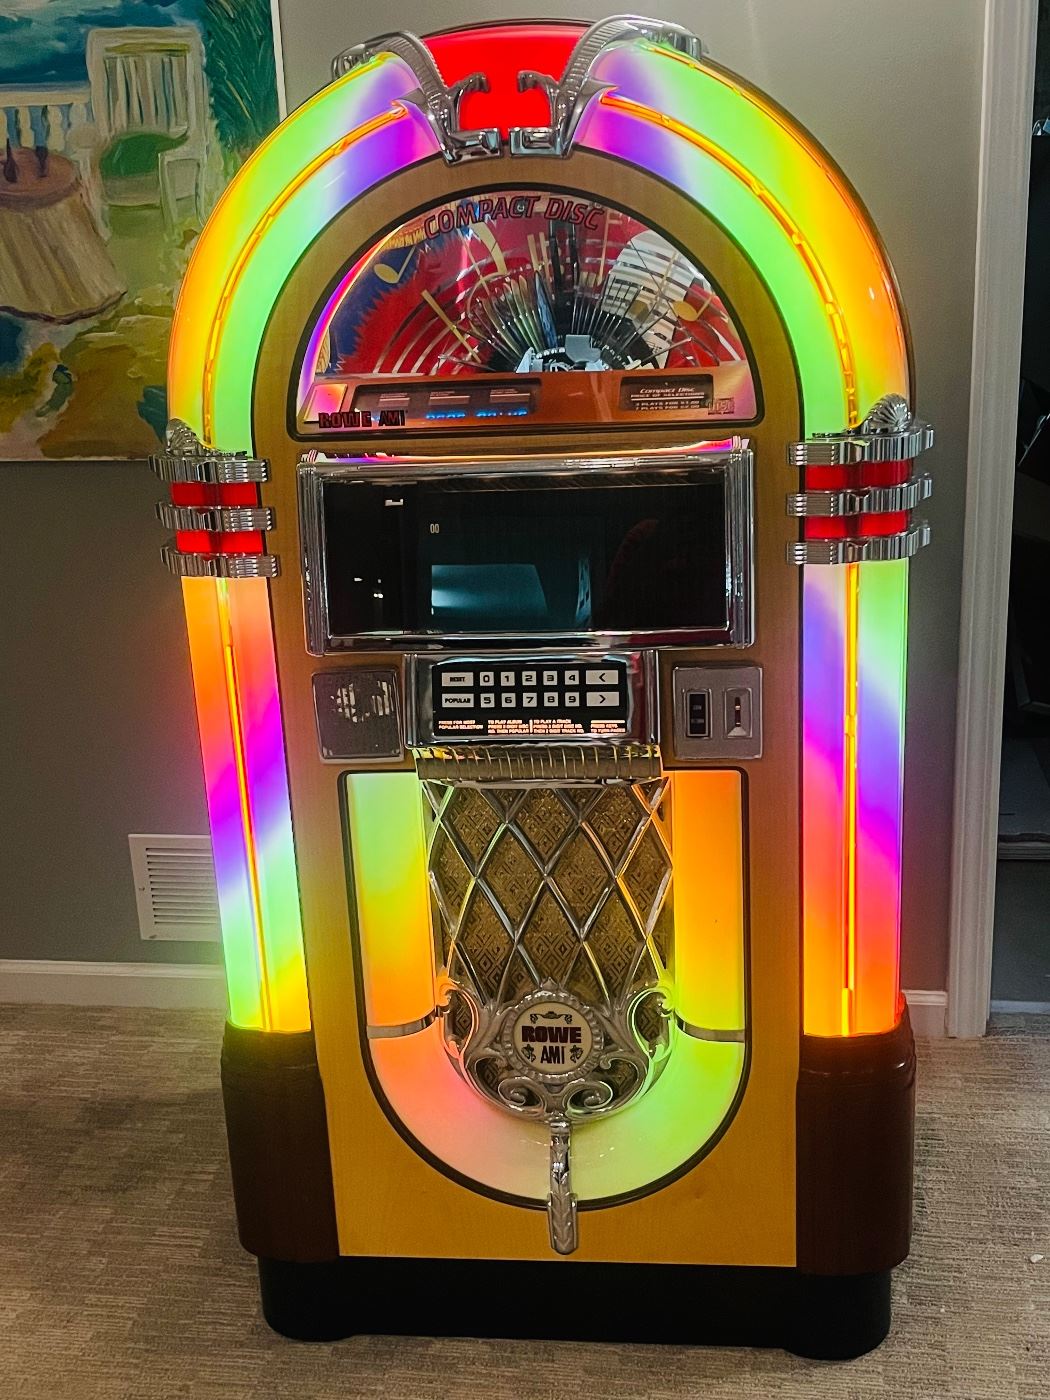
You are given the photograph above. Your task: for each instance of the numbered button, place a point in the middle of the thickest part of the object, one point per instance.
(550, 678)
(528, 677)
(488, 700)
(528, 700)
(487, 678)
(506, 678)
(508, 699)
(572, 699)
(550, 699)
(572, 677)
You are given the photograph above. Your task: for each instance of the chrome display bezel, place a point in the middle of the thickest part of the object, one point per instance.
(735, 462)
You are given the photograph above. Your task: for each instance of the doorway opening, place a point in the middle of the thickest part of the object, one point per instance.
(1021, 949)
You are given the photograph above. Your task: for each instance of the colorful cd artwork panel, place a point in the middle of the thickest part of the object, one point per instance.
(523, 283)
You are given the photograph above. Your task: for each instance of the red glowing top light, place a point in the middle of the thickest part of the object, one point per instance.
(501, 51)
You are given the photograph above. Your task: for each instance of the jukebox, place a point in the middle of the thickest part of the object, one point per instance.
(542, 487)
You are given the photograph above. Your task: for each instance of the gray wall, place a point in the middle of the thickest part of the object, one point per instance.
(97, 733)
(97, 727)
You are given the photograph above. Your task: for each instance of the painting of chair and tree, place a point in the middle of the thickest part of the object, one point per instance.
(121, 122)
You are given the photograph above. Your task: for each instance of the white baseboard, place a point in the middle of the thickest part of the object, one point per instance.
(196, 986)
(181, 987)
(929, 1012)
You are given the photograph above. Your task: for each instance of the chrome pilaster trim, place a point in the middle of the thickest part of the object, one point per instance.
(870, 549)
(570, 96)
(215, 519)
(732, 1037)
(848, 449)
(438, 102)
(406, 1028)
(866, 500)
(214, 470)
(890, 433)
(187, 565)
(187, 460)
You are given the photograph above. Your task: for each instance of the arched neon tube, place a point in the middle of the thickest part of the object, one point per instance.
(753, 170)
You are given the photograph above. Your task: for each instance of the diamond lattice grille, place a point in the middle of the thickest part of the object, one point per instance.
(564, 886)
(581, 877)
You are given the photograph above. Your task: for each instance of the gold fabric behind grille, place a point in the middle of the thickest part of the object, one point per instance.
(565, 887)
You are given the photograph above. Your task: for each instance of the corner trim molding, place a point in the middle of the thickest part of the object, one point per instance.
(928, 1013)
(175, 987)
(1002, 216)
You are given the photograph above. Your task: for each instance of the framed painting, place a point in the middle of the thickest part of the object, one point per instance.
(121, 122)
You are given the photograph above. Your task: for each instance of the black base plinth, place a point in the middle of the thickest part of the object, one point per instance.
(829, 1318)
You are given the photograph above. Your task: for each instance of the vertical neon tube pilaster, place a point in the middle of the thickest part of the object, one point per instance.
(855, 637)
(854, 674)
(881, 675)
(825, 882)
(242, 744)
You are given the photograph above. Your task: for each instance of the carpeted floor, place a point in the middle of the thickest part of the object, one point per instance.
(121, 1278)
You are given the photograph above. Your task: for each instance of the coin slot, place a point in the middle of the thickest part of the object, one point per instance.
(738, 714)
(698, 721)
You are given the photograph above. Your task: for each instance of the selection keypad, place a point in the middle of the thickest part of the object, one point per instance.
(522, 700)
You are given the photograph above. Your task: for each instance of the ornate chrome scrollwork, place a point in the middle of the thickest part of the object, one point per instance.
(182, 441)
(561, 1203)
(614, 1064)
(435, 99)
(570, 95)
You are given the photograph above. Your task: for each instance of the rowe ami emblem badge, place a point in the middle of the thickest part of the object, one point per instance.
(553, 1037)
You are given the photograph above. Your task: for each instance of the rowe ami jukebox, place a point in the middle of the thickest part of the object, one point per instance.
(542, 485)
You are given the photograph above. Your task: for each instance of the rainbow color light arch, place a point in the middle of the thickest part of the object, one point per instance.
(760, 176)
